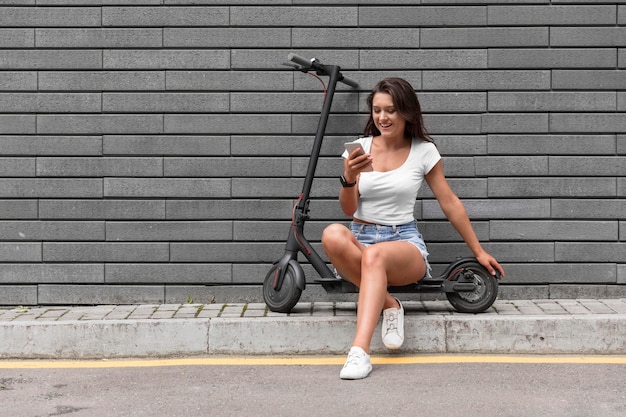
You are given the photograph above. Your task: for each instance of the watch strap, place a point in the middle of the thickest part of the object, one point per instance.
(345, 183)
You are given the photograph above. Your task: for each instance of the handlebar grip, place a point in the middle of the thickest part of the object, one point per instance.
(299, 60)
(350, 82)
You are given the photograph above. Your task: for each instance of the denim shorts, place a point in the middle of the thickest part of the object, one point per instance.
(369, 234)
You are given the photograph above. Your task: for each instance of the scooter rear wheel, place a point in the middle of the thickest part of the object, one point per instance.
(478, 300)
(283, 300)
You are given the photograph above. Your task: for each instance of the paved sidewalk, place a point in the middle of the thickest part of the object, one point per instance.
(510, 326)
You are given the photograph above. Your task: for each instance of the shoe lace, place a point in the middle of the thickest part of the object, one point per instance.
(354, 358)
(392, 320)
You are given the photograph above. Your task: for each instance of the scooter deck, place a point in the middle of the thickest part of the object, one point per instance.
(338, 286)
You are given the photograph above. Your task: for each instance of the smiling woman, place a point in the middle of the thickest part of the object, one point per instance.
(394, 97)
(383, 247)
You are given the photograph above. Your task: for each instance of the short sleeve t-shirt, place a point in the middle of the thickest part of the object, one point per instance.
(388, 198)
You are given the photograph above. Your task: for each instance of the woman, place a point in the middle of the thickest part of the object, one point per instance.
(383, 247)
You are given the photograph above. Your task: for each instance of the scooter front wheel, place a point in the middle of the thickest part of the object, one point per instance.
(482, 297)
(283, 300)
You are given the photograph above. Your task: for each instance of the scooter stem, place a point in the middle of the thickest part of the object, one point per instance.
(333, 72)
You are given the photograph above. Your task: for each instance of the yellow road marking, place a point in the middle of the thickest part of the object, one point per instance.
(306, 360)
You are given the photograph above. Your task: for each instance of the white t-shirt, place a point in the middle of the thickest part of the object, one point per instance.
(388, 198)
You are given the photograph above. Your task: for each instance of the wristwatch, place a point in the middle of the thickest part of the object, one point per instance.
(345, 183)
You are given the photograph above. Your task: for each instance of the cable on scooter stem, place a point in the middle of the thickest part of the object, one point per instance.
(299, 238)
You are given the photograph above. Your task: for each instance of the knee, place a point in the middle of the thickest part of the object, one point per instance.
(372, 258)
(334, 237)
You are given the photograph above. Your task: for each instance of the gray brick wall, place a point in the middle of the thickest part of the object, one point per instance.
(150, 150)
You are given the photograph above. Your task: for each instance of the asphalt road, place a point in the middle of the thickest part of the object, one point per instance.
(432, 389)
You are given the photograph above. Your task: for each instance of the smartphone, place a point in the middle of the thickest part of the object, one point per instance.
(351, 146)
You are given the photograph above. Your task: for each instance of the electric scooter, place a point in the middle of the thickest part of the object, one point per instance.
(468, 286)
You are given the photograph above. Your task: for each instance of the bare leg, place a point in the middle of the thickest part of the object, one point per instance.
(372, 269)
(383, 264)
(344, 251)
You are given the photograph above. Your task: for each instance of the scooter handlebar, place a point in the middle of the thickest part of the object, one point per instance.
(350, 82)
(299, 60)
(305, 63)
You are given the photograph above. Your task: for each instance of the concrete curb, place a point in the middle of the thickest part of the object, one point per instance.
(576, 334)
(103, 338)
(437, 333)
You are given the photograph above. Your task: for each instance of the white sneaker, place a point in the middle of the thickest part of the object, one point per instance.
(393, 327)
(357, 365)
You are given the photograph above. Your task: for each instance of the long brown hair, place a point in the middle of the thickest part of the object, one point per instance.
(405, 102)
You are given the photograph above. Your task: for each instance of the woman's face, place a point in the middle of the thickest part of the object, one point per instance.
(386, 118)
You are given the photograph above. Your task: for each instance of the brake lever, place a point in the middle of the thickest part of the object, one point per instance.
(296, 67)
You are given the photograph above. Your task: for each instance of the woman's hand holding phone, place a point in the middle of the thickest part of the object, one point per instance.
(357, 158)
